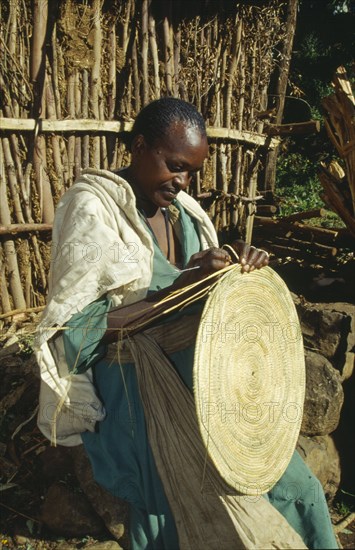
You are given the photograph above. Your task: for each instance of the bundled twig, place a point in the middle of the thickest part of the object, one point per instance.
(289, 237)
(339, 119)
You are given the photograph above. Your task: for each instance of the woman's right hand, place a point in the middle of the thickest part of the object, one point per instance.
(130, 316)
(205, 263)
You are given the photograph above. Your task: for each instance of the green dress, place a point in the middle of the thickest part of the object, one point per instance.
(119, 449)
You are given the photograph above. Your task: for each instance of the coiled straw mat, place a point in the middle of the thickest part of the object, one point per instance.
(249, 378)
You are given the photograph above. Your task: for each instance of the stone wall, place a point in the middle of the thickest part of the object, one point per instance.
(329, 339)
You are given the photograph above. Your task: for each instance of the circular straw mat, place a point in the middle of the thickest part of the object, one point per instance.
(249, 378)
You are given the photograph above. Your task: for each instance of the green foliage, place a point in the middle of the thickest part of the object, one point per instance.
(299, 189)
(343, 508)
(324, 40)
(26, 342)
(299, 198)
(295, 169)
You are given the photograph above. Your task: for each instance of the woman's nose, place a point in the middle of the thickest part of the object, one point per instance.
(182, 179)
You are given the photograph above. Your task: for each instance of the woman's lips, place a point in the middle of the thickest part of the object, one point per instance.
(170, 193)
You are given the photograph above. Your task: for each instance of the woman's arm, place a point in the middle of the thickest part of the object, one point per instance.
(127, 317)
(205, 263)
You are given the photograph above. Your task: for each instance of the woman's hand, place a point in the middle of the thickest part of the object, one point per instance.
(202, 264)
(250, 257)
(209, 261)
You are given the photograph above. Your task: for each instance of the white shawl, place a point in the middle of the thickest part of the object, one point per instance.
(99, 246)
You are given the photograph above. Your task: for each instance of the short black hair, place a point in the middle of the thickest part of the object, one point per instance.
(155, 118)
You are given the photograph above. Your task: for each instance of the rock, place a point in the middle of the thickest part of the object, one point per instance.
(12, 347)
(113, 511)
(109, 545)
(344, 436)
(349, 366)
(21, 540)
(64, 545)
(322, 457)
(31, 366)
(329, 328)
(69, 514)
(56, 463)
(324, 396)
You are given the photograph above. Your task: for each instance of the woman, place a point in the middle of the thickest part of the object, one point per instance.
(122, 242)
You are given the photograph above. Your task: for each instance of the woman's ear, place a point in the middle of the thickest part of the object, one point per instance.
(139, 145)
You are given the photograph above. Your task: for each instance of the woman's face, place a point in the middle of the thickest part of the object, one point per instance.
(163, 169)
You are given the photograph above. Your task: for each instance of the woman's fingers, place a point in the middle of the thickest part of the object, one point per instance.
(214, 259)
(252, 258)
(207, 262)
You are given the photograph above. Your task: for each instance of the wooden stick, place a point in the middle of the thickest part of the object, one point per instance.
(274, 224)
(176, 40)
(245, 136)
(54, 73)
(136, 82)
(241, 90)
(95, 82)
(338, 237)
(253, 85)
(71, 138)
(55, 139)
(85, 157)
(222, 181)
(12, 180)
(154, 54)
(102, 126)
(16, 228)
(233, 63)
(40, 17)
(9, 247)
(312, 247)
(26, 310)
(41, 175)
(12, 28)
(145, 44)
(127, 19)
(266, 209)
(339, 123)
(344, 523)
(251, 207)
(335, 197)
(315, 213)
(103, 151)
(168, 53)
(112, 93)
(78, 138)
(294, 252)
(296, 128)
(111, 96)
(4, 293)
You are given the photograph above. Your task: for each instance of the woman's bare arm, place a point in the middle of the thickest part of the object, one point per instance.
(207, 262)
(127, 317)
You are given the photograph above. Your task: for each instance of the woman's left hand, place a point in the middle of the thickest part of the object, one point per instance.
(250, 257)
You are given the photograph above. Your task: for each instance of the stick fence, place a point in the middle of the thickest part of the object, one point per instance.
(75, 73)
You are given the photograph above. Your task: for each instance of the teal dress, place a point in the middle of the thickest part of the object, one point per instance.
(119, 449)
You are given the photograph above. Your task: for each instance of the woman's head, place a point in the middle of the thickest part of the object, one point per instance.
(168, 146)
(154, 119)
